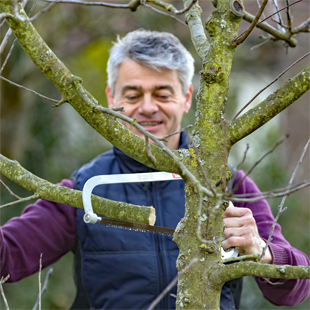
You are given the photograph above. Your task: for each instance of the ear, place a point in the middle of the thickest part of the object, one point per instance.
(110, 98)
(188, 99)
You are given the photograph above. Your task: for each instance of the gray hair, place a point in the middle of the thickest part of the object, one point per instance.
(152, 49)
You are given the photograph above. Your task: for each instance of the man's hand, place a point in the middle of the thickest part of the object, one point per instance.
(241, 225)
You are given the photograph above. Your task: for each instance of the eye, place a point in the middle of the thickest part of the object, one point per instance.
(132, 97)
(163, 96)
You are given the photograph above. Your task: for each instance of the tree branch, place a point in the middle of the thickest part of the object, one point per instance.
(248, 268)
(93, 3)
(280, 207)
(164, 13)
(270, 107)
(293, 64)
(3, 280)
(265, 195)
(287, 37)
(48, 191)
(28, 89)
(44, 288)
(197, 31)
(20, 200)
(304, 27)
(71, 88)
(242, 37)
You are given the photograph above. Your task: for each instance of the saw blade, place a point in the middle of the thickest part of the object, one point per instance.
(232, 252)
(137, 226)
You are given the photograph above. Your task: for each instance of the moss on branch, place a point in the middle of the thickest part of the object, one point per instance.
(248, 268)
(196, 28)
(71, 88)
(67, 196)
(275, 103)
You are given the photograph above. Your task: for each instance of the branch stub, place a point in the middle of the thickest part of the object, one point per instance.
(236, 7)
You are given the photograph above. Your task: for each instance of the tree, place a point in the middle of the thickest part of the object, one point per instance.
(212, 140)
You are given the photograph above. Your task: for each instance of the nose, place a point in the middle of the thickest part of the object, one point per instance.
(148, 105)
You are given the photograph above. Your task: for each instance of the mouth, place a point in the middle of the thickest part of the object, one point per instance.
(149, 123)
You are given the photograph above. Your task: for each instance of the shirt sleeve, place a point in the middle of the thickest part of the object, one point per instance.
(44, 227)
(291, 292)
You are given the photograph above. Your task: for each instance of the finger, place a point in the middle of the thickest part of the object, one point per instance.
(231, 222)
(231, 242)
(236, 212)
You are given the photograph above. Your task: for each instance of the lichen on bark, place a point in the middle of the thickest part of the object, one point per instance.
(67, 196)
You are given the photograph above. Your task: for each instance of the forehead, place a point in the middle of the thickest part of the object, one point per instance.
(133, 74)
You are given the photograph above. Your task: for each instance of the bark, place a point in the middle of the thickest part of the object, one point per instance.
(270, 107)
(241, 269)
(197, 288)
(200, 286)
(67, 196)
(72, 91)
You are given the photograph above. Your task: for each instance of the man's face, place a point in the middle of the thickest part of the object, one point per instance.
(154, 99)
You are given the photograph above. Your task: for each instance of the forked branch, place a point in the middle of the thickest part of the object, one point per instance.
(71, 88)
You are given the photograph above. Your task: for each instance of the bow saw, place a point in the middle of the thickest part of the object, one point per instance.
(91, 218)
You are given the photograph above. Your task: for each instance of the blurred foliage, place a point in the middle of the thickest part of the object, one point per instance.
(53, 142)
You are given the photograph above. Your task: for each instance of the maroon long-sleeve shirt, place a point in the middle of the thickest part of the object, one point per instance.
(49, 228)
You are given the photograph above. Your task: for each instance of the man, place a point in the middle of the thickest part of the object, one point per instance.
(150, 76)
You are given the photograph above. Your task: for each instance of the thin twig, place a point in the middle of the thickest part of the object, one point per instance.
(199, 217)
(149, 153)
(44, 288)
(200, 166)
(273, 283)
(39, 277)
(185, 9)
(125, 118)
(293, 64)
(278, 12)
(266, 195)
(9, 190)
(258, 4)
(303, 27)
(260, 44)
(242, 37)
(4, 15)
(215, 241)
(119, 109)
(2, 281)
(171, 285)
(257, 162)
(280, 207)
(175, 133)
(5, 40)
(232, 181)
(32, 91)
(164, 13)
(253, 257)
(278, 18)
(110, 5)
(288, 15)
(44, 10)
(19, 201)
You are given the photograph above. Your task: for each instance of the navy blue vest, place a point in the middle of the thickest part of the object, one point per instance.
(120, 269)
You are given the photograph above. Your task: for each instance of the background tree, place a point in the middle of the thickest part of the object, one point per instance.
(85, 31)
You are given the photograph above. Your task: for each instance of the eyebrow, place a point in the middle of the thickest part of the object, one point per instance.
(130, 87)
(168, 87)
(139, 88)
